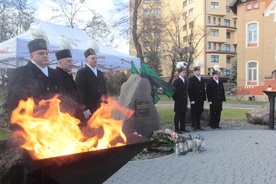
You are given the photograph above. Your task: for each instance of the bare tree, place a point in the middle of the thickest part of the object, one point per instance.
(182, 48)
(77, 14)
(15, 18)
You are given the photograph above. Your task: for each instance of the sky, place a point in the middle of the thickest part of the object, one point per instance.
(103, 7)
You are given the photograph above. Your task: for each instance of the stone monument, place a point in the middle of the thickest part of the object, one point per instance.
(136, 95)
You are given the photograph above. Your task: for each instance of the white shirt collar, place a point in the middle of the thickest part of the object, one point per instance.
(182, 78)
(94, 70)
(198, 77)
(44, 70)
(217, 81)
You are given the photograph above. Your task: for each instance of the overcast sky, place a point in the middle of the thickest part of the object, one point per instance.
(103, 7)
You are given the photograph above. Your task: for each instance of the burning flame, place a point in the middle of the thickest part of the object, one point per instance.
(47, 132)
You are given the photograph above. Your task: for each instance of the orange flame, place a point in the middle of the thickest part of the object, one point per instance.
(47, 132)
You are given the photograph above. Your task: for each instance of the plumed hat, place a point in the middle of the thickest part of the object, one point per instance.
(65, 53)
(216, 70)
(180, 70)
(93, 48)
(37, 44)
(40, 38)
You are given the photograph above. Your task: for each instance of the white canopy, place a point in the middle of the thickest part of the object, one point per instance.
(14, 52)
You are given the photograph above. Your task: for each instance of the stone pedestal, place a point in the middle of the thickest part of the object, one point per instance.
(135, 94)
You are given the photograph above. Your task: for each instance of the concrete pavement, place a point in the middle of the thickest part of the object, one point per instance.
(232, 156)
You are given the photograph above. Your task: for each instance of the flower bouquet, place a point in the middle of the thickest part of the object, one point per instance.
(163, 140)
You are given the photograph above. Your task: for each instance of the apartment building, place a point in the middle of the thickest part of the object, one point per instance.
(256, 52)
(207, 27)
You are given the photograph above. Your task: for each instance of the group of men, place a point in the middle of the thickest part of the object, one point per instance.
(80, 98)
(195, 90)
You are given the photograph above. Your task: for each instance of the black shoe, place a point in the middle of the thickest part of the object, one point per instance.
(179, 132)
(218, 127)
(213, 127)
(199, 128)
(194, 129)
(185, 130)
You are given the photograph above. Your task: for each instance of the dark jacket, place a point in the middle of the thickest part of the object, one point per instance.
(91, 88)
(29, 81)
(180, 95)
(215, 94)
(70, 99)
(196, 92)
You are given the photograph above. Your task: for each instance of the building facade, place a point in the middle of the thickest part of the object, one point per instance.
(256, 52)
(207, 27)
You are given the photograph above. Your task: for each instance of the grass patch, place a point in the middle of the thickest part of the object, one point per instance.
(5, 134)
(166, 114)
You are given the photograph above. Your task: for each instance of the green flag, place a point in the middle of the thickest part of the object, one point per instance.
(134, 69)
(157, 81)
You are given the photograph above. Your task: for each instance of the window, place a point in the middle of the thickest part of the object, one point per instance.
(185, 39)
(215, 46)
(190, 1)
(214, 5)
(219, 21)
(228, 60)
(157, 21)
(191, 25)
(191, 11)
(209, 45)
(235, 24)
(191, 37)
(226, 72)
(209, 20)
(228, 35)
(255, 5)
(146, 34)
(252, 33)
(157, 33)
(226, 22)
(184, 3)
(185, 27)
(249, 6)
(146, 11)
(185, 15)
(227, 9)
(214, 32)
(219, 46)
(214, 20)
(157, 1)
(235, 48)
(146, 1)
(252, 71)
(146, 44)
(214, 58)
(157, 11)
(158, 54)
(226, 47)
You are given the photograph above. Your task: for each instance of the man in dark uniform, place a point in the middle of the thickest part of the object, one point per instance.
(38, 81)
(35, 79)
(196, 92)
(216, 96)
(180, 102)
(91, 84)
(70, 100)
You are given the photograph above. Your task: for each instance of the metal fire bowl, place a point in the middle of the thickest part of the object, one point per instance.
(88, 167)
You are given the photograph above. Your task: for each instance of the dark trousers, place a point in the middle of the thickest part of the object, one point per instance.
(195, 118)
(179, 119)
(214, 118)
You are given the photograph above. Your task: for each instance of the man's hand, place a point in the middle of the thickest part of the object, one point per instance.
(87, 113)
(192, 102)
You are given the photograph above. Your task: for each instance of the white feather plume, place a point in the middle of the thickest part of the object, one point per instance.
(67, 42)
(181, 64)
(216, 68)
(93, 45)
(38, 33)
(199, 63)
